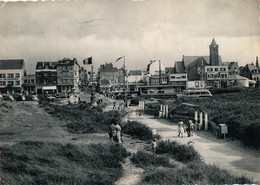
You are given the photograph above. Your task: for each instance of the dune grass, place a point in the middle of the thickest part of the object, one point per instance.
(53, 163)
(194, 170)
(144, 159)
(195, 173)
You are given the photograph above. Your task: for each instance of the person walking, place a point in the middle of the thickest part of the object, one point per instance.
(118, 133)
(114, 105)
(154, 145)
(188, 128)
(112, 131)
(180, 128)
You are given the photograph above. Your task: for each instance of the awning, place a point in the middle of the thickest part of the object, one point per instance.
(49, 88)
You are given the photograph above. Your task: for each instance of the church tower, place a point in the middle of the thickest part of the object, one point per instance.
(213, 54)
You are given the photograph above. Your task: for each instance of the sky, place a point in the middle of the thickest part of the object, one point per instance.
(140, 30)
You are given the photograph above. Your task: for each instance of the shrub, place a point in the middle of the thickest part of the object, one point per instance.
(144, 159)
(53, 163)
(138, 130)
(194, 173)
(182, 153)
(237, 107)
(135, 100)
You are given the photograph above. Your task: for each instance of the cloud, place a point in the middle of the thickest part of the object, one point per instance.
(141, 30)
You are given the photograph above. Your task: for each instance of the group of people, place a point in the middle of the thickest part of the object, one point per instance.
(115, 132)
(182, 128)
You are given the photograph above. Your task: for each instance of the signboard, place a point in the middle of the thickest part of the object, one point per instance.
(195, 85)
(223, 128)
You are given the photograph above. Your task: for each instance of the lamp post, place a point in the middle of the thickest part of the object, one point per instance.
(92, 98)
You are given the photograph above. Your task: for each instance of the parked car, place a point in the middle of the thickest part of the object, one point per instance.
(31, 97)
(8, 97)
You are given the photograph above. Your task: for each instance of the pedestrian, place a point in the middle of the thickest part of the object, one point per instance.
(111, 131)
(114, 105)
(119, 133)
(188, 128)
(180, 128)
(154, 145)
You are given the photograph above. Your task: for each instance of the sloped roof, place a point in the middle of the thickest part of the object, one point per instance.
(251, 67)
(12, 64)
(179, 67)
(169, 70)
(194, 59)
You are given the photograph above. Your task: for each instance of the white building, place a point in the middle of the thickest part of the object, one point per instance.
(11, 75)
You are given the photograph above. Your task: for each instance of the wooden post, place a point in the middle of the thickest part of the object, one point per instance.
(201, 120)
(206, 120)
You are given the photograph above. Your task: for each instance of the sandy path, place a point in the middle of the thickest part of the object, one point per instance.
(223, 154)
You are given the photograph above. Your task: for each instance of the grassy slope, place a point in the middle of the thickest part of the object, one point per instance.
(239, 110)
(54, 163)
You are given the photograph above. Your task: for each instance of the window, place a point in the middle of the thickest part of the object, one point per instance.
(172, 77)
(10, 82)
(222, 69)
(17, 82)
(216, 69)
(2, 83)
(211, 76)
(183, 76)
(2, 75)
(209, 69)
(17, 75)
(10, 75)
(25, 81)
(32, 81)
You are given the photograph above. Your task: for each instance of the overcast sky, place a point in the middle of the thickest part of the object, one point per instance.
(140, 30)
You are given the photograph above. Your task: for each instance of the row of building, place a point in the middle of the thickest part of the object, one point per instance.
(66, 75)
(63, 76)
(189, 73)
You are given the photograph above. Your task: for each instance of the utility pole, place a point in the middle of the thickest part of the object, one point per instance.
(160, 73)
(124, 89)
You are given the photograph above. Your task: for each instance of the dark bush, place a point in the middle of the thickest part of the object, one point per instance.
(138, 130)
(182, 153)
(143, 159)
(135, 100)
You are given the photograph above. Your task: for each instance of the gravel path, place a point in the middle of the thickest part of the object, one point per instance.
(226, 155)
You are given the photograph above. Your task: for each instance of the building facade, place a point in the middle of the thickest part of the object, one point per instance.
(68, 75)
(11, 75)
(29, 84)
(110, 76)
(216, 76)
(46, 77)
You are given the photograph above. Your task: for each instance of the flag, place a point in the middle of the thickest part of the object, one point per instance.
(87, 61)
(119, 58)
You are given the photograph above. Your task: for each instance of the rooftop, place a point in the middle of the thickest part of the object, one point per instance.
(12, 64)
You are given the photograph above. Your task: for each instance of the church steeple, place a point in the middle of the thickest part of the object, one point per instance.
(213, 53)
